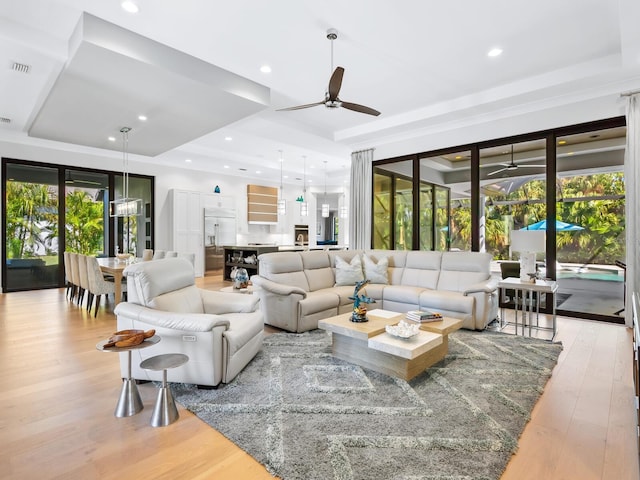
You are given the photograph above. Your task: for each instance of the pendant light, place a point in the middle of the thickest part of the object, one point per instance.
(282, 203)
(304, 206)
(325, 205)
(125, 206)
(343, 209)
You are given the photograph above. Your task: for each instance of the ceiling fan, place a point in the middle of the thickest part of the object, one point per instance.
(511, 166)
(331, 99)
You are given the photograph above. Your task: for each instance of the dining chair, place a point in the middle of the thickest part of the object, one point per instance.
(147, 254)
(75, 275)
(158, 254)
(84, 279)
(67, 274)
(171, 254)
(98, 286)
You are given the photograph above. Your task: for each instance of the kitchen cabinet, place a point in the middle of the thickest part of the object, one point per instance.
(234, 256)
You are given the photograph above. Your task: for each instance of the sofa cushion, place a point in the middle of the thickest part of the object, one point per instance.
(376, 272)
(147, 280)
(185, 300)
(402, 294)
(343, 293)
(348, 273)
(422, 269)
(461, 269)
(319, 301)
(442, 301)
(284, 268)
(318, 270)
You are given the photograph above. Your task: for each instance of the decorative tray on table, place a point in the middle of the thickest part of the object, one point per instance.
(403, 329)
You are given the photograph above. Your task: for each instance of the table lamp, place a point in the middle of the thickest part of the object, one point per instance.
(528, 243)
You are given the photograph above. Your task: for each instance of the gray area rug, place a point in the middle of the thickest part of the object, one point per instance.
(306, 415)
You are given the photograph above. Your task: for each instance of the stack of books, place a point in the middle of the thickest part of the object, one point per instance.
(423, 316)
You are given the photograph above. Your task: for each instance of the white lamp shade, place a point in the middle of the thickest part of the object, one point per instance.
(528, 241)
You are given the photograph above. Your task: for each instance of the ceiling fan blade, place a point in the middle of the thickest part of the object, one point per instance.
(299, 107)
(360, 108)
(497, 171)
(335, 83)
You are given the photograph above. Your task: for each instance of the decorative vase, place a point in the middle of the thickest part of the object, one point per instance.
(241, 279)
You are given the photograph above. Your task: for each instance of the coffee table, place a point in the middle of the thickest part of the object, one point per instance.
(368, 345)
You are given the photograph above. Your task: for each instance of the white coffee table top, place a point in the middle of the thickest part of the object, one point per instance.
(406, 347)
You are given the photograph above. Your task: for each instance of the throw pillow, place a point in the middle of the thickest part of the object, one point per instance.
(376, 272)
(348, 273)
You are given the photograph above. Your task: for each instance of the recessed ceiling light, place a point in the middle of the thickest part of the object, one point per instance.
(112, 139)
(494, 52)
(570, 153)
(226, 166)
(258, 171)
(458, 157)
(228, 139)
(562, 142)
(265, 69)
(129, 6)
(286, 176)
(188, 160)
(142, 118)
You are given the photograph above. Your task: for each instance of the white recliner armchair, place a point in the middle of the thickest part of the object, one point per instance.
(220, 332)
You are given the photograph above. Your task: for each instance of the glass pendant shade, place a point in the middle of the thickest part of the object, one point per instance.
(304, 208)
(325, 210)
(343, 212)
(282, 206)
(125, 206)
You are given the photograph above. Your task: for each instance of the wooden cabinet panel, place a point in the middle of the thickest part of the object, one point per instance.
(262, 204)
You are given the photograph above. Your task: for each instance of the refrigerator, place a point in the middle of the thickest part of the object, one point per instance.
(219, 230)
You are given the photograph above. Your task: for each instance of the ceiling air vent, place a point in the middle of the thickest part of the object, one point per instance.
(20, 67)
(5, 120)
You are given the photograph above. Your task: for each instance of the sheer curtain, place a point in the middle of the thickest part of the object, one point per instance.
(360, 199)
(632, 196)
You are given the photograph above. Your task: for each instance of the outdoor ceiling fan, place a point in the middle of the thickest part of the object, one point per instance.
(331, 99)
(511, 166)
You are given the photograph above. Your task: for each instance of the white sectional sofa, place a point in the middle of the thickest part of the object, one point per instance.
(297, 289)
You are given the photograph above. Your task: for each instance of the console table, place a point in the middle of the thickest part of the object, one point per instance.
(527, 304)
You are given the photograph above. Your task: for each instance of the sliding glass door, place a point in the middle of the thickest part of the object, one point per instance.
(31, 247)
(40, 223)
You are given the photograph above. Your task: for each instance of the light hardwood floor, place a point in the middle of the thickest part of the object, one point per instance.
(58, 395)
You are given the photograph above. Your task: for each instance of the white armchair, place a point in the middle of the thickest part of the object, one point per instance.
(220, 332)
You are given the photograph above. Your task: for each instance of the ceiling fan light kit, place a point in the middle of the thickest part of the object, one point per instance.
(331, 99)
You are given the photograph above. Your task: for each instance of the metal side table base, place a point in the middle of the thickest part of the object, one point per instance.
(129, 402)
(164, 411)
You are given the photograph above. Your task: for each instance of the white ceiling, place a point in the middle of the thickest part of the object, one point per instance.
(424, 65)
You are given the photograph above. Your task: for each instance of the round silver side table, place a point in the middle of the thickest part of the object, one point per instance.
(129, 402)
(164, 411)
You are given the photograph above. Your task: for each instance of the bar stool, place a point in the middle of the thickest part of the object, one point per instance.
(164, 411)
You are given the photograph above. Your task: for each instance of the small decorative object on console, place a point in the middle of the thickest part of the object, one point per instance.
(241, 279)
(359, 314)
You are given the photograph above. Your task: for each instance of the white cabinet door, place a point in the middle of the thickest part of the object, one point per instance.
(215, 200)
(188, 226)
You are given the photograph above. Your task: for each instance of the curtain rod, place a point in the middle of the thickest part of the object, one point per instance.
(628, 94)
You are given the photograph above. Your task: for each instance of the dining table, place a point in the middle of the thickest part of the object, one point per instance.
(114, 266)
